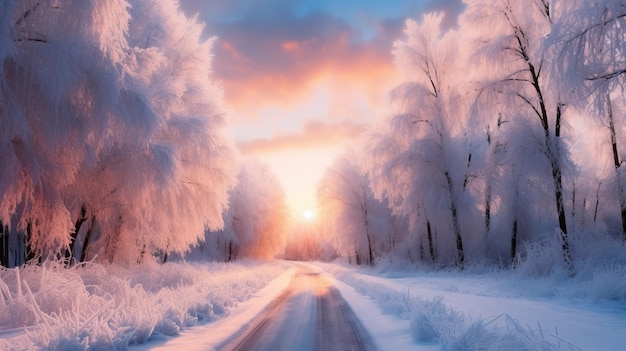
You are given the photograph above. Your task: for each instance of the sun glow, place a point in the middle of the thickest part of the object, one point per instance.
(308, 215)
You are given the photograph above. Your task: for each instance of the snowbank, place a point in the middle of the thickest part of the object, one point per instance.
(433, 321)
(100, 307)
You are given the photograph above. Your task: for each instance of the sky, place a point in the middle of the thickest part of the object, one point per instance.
(303, 79)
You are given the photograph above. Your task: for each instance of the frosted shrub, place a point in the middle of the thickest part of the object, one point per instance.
(432, 320)
(540, 258)
(422, 328)
(102, 308)
(503, 333)
(599, 266)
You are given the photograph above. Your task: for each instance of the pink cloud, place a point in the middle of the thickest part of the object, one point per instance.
(314, 134)
(305, 62)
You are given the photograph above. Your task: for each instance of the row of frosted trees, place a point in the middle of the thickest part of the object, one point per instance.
(505, 128)
(256, 222)
(111, 131)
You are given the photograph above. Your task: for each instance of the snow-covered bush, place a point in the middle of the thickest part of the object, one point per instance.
(94, 307)
(600, 265)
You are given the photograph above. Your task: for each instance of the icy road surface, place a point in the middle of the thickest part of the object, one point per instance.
(309, 315)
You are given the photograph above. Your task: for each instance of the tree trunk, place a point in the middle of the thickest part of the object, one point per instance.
(368, 235)
(597, 205)
(487, 210)
(558, 185)
(369, 250)
(431, 246)
(467, 175)
(86, 243)
(552, 151)
(455, 222)
(4, 245)
(69, 253)
(29, 252)
(617, 165)
(514, 241)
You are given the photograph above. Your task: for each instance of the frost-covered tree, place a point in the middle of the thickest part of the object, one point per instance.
(259, 212)
(111, 128)
(518, 187)
(511, 37)
(359, 225)
(422, 161)
(591, 66)
(217, 245)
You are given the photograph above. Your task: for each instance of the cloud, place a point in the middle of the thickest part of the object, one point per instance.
(276, 59)
(274, 52)
(314, 134)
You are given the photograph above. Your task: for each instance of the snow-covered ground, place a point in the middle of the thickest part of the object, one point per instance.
(464, 311)
(200, 306)
(100, 307)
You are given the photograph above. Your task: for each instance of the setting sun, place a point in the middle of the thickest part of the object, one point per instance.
(308, 214)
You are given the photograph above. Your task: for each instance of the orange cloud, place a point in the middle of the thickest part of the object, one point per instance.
(233, 53)
(344, 65)
(292, 45)
(315, 134)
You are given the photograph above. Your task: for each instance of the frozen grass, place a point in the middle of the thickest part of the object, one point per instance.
(99, 307)
(599, 264)
(432, 321)
(538, 272)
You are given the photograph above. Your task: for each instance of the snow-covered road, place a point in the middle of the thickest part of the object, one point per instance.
(309, 315)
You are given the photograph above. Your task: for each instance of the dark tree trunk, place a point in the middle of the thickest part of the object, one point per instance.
(19, 252)
(87, 242)
(557, 175)
(617, 165)
(467, 174)
(431, 245)
(487, 210)
(455, 222)
(514, 242)
(488, 186)
(597, 205)
(370, 254)
(4, 245)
